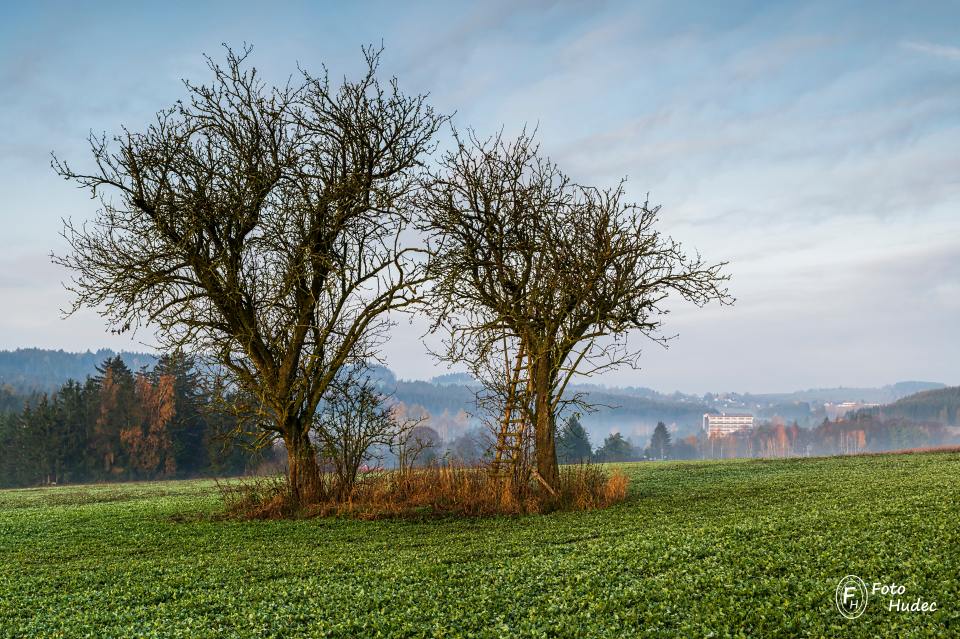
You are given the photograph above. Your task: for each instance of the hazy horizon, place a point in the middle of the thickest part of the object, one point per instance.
(602, 383)
(813, 147)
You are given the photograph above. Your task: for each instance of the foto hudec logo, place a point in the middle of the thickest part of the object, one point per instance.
(851, 596)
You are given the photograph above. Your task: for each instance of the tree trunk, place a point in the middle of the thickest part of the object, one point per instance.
(304, 472)
(545, 446)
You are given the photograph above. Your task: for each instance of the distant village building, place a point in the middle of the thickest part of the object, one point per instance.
(839, 411)
(723, 424)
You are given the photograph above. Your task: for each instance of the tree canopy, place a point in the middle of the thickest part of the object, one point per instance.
(260, 227)
(528, 265)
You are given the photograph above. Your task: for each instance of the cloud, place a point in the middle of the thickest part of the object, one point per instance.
(868, 325)
(938, 50)
(796, 143)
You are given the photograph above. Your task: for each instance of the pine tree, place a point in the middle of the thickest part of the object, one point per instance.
(573, 442)
(660, 442)
(189, 427)
(71, 405)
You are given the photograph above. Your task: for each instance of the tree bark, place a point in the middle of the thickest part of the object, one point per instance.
(304, 472)
(544, 437)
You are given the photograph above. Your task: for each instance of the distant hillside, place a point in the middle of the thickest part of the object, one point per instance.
(631, 411)
(615, 409)
(635, 416)
(941, 405)
(880, 395)
(34, 369)
(448, 379)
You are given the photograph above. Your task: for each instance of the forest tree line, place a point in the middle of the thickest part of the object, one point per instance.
(163, 423)
(118, 425)
(859, 433)
(123, 425)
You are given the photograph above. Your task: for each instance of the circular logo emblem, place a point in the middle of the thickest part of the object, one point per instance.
(851, 596)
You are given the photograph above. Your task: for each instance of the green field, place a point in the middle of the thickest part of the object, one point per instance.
(736, 548)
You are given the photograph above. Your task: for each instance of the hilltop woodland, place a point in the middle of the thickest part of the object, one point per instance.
(940, 405)
(273, 231)
(34, 369)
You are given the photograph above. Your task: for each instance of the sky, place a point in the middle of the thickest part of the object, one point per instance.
(814, 146)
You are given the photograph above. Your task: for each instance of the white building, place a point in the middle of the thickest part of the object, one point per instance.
(724, 424)
(839, 411)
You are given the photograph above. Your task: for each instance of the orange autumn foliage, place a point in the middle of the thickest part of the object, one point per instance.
(149, 441)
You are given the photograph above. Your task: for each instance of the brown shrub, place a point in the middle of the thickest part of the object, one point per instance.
(585, 486)
(437, 490)
(616, 487)
(434, 491)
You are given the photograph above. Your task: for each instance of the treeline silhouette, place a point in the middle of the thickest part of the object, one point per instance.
(118, 425)
(860, 433)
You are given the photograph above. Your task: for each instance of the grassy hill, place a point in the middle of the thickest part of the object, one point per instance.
(734, 548)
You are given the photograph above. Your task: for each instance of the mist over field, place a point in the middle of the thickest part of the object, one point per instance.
(897, 416)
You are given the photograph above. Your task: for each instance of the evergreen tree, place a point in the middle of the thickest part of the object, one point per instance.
(117, 408)
(573, 442)
(8, 442)
(615, 449)
(660, 442)
(71, 404)
(189, 426)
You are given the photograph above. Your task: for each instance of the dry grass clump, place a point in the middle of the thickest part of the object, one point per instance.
(266, 497)
(584, 487)
(434, 491)
(438, 490)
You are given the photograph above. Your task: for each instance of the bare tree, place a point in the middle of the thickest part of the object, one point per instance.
(539, 278)
(260, 228)
(354, 424)
(413, 442)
